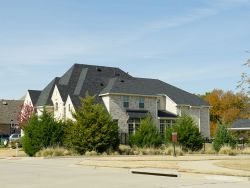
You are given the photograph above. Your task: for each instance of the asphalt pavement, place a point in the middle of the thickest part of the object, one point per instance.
(62, 173)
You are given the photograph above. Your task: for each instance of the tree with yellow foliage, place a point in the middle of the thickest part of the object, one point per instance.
(226, 107)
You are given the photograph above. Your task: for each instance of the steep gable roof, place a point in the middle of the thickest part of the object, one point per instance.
(145, 86)
(34, 95)
(79, 80)
(45, 96)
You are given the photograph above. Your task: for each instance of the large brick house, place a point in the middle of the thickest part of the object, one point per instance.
(128, 99)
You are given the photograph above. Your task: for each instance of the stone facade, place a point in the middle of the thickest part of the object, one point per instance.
(117, 111)
(200, 115)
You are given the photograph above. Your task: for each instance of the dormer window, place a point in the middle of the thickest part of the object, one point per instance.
(141, 102)
(125, 101)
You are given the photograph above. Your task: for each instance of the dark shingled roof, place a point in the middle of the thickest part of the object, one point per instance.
(94, 80)
(34, 95)
(45, 96)
(79, 80)
(241, 123)
(144, 86)
(9, 110)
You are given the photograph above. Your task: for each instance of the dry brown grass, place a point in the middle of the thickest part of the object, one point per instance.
(8, 152)
(130, 162)
(243, 164)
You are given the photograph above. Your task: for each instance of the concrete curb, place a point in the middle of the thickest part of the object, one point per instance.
(155, 172)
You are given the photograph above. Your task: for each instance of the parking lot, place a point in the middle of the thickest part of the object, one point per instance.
(66, 172)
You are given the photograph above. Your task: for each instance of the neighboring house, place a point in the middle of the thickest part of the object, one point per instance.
(242, 126)
(8, 116)
(128, 99)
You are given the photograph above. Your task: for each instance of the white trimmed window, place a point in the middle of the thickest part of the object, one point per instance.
(133, 125)
(166, 124)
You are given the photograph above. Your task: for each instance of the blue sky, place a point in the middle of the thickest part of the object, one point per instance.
(197, 45)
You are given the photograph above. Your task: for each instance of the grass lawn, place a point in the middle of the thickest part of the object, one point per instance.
(243, 164)
(129, 162)
(8, 152)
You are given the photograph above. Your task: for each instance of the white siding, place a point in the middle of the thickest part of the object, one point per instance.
(171, 106)
(69, 109)
(56, 98)
(27, 100)
(106, 101)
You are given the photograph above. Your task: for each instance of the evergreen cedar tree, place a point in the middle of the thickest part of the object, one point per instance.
(223, 137)
(188, 135)
(42, 132)
(93, 130)
(147, 135)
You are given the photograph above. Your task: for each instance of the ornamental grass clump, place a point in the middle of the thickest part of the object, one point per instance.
(54, 152)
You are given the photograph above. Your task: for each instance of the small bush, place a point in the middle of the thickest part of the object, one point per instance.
(210, 151)
(245, 151)
(91, 153)
(223, 137)
(125, 150)
(147, 135)
(170, 151)
(227, 150)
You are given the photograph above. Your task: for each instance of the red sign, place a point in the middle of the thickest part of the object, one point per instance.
(174, 137)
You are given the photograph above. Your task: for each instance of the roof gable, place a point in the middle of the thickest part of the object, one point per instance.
(34, 95)
(45, 96)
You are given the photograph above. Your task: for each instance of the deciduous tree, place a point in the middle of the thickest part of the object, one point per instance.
(25, 114)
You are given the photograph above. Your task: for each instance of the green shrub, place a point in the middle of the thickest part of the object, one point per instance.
(223, 137)
(147, 135)
(93, 129)
(188, 135)
(41, 132)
